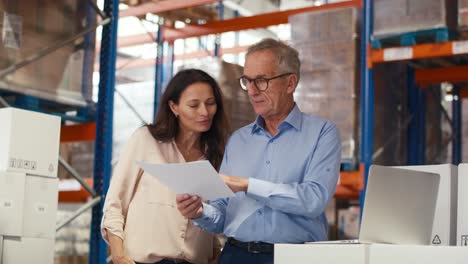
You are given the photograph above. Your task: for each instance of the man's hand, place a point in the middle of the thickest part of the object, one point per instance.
(189, 206)
(236, 184)
(122, 260)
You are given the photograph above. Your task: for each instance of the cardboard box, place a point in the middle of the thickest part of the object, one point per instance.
(40, 207)
(462, 217)
(444, 231)
(27, 250)
(29, 142)
(321, 253)
(401, 16)
(406, 254)
(11, 203)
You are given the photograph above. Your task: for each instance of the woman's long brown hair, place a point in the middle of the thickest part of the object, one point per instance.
(166, 125)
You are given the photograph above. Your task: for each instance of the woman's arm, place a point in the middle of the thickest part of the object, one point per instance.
(117, 251)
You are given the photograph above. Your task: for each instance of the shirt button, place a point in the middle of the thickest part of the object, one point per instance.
(267, 162)
(259, 212)
(182, 235)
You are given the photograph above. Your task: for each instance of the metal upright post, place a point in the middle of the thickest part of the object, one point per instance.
(104, 120)
(417, 128)
(159, 71)
(457, 126)
(217, 48)
(367, 95)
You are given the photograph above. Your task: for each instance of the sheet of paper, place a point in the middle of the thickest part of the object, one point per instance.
(197, 177)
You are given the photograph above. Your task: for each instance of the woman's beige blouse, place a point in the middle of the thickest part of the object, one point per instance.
(143, 212)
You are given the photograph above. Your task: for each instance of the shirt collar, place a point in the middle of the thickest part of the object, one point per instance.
(294, 119)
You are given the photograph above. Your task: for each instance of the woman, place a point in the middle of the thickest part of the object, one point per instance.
(141, 222)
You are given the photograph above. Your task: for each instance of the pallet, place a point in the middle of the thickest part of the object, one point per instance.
(66, 112)
(411, 38)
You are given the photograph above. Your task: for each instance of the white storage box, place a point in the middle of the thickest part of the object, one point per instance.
(27, 250)
(462, 221)
(11, 203)
(1, 248)
(444, 231)
(406, 254)
(321, 253)
(29, 142)
(40, 207)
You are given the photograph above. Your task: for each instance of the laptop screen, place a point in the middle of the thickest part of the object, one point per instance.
(399, 206)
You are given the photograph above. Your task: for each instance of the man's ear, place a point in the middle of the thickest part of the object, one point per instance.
(292, 83)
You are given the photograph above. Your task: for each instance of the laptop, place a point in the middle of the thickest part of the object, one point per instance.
(399, 207)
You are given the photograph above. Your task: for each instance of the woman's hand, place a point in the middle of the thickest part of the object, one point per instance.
(236, 184)
(122, 260)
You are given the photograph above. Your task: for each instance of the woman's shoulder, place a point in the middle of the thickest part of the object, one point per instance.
(143, 137)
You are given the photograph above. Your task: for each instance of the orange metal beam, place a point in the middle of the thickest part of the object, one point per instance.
(252, 22)
(80, 132)
(139, 63)
(162, 6)
(78, 195)
(425, 77)
(421, 51)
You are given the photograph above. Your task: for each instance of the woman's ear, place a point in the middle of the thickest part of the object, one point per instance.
(174, 108)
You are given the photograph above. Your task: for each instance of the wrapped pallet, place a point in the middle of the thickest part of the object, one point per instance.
(463, 15)
(29, 26)
(328, 45)
(392, 17)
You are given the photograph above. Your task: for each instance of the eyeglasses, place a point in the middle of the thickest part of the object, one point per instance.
(261, 83)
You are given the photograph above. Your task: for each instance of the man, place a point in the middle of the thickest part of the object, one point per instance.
(285, 166)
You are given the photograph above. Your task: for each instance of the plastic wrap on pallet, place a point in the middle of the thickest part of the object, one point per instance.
(28, 26)
(328, 46)
(390, 113)
(401, 16)
(326, 26)
(238, 108)
(463, 14)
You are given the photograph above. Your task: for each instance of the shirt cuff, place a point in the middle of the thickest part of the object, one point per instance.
(259, 188)
(207, 217)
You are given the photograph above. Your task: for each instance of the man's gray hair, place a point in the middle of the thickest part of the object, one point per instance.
(286, 56)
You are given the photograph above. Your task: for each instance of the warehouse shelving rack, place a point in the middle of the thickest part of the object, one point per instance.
(418, 80)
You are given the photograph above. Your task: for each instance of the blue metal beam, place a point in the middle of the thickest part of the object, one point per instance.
(417, 128)
(217, 47)
(367, 96)
(457, 126)
(159, 71)
(104, 120)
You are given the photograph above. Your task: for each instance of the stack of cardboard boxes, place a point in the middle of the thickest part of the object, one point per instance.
(29, 144)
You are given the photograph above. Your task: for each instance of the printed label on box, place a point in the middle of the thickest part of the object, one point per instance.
(7, 204)
(41, 208)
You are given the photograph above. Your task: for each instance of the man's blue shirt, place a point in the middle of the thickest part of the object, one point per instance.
(292, 177)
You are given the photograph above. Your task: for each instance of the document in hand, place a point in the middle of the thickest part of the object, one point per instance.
(196, 178)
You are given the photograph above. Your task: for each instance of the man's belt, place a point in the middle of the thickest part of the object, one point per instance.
(252, 247)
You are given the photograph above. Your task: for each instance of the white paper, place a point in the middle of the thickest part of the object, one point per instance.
(196, 178)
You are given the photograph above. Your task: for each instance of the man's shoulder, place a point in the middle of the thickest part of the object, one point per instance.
(312, 120)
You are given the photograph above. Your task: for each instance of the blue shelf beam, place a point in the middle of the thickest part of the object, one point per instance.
(417, 128)
(159, 67)
(367, 96)
(104, 120)
(457, 126)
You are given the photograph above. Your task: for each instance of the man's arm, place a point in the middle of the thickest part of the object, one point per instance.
(308, 198)
(209, 217)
